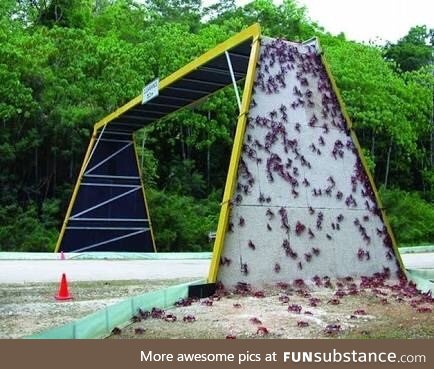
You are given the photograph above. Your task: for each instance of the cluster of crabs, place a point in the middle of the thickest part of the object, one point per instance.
(288, 295)
(284, 153)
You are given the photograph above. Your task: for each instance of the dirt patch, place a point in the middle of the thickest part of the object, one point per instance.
(365, 313)
(31, 308)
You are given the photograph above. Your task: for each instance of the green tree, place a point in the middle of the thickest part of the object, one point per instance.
(178, 11)
(391, 114)
(63, 13)
(65, 64)
(410, 216)
(412, 51)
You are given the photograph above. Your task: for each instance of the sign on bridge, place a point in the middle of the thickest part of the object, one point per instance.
(150, 91)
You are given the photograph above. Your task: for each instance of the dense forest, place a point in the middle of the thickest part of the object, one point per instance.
(64, 64)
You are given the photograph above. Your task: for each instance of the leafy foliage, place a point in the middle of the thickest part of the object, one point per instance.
(414, 50)
(182, 223)
(24, 230)
(389, 110)
(411, 217)
(65, 64)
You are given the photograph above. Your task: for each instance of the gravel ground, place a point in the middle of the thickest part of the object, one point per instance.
(364, 315)
(31, 308)
(27, 305)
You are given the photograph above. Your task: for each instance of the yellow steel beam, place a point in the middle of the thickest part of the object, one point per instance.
(250, 32)
(144, 195)
(363, 161)
(76, 188)
(234, 162)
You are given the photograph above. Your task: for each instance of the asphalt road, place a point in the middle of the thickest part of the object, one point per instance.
(423, 260)
(21, 271)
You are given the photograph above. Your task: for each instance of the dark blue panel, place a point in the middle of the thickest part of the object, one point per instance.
(117, 218)
(128, 206)
(81, 239)
(101, 222)
(122, 164)
(109, 180)
(90, 196)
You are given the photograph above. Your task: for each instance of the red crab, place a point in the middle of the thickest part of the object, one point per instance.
(259, 294)
(340, 293)
(255, 320)
(262, 331)
(299, 228)
(282, 285)
(189, 319)
(295, 308)
(206, 302)
(334, 301)
(144, 314)
(332, 329)
(299, 283)
(170, 318)
(317, 280)
(183, 302)
(243, 288)
(157, 313)
(302, 324)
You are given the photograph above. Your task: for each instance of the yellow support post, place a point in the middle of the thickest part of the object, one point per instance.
(76, 188)
(234, 162)
(363, 160)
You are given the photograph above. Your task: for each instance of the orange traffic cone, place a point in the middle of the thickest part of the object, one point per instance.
(62, 256)
(63, 293)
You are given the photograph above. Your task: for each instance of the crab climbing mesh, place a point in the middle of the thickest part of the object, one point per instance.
(303, 206)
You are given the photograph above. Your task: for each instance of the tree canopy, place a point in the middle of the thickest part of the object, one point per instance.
(65, 64)
(414, 50)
